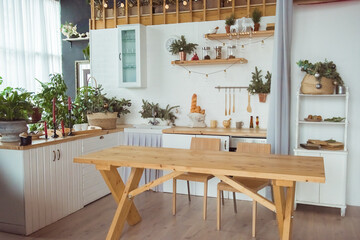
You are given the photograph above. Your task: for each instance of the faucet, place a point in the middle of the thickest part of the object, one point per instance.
(154, 122)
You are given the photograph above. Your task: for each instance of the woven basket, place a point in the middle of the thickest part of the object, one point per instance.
(308, 85)
(106, 120)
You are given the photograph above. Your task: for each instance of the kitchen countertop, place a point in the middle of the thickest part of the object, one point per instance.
(50, 141)
(234, 132)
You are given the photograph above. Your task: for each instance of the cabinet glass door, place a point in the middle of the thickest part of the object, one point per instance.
(128, 49)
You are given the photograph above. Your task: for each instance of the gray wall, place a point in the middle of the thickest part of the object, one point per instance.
(77, 12)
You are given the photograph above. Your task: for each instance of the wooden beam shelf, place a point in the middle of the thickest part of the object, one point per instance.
(211, 62)
(219, 36)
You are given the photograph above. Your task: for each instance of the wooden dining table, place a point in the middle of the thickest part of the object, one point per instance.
(283, 171)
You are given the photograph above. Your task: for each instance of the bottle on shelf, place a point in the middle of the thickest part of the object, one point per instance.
(251, 122)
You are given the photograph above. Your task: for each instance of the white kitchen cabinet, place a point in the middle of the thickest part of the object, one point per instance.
(132, 55)
(331, 193)
(104, 56)
(52, 187)
(94, 186)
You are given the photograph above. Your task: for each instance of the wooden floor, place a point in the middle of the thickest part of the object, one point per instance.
(92, 222)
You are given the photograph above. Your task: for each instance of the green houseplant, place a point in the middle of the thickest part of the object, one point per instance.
(256, 17)
(258, 86)
(229, 21)
(86, 52)
(55, 88)
(153, 111)
(320, 77)
(181, 47)
(91, 104)
(15, 108)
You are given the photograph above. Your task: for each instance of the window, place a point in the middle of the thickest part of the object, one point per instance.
(30, 42)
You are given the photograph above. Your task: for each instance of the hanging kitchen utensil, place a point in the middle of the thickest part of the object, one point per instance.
(225, 102)
(229, 101)
(233, 100)
(249, 107)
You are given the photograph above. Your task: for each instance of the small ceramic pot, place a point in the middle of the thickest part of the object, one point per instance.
(84, 126)
(213, 123)
(77, 127)
(262, 97)
(182, 56)
(239, 125)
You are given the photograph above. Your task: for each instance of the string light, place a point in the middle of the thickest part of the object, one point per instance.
(122, 5)
(185, 3)
(166, 6)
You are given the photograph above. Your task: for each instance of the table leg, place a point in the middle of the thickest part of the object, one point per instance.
(123, 209)
(284, 208)
(117, 186)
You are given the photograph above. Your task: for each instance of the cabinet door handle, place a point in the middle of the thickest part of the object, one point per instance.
(225, 144)
(101, 137)
(58, 154)
(120, 56)
(54, 156)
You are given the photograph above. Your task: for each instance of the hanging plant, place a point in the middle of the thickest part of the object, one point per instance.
(258, 86)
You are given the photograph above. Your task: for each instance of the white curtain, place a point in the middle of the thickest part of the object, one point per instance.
(278, 131)
(30, 42)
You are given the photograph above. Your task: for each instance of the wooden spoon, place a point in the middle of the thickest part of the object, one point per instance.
(234, 100)
(229, 101)
(225, 103)
(249, 107)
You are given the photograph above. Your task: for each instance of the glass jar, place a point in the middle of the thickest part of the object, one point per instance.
(231, 51)
(218, 52)
(206, 53)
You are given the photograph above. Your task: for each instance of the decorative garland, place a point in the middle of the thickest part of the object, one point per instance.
(224, 70)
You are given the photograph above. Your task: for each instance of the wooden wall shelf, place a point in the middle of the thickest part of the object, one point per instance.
(211, 62)
(219, 36)
(152, 14)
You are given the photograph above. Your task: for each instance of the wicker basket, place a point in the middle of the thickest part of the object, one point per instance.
(104, 120)
(308, 85)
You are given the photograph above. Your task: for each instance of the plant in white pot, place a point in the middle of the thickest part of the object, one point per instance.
(156, 115)
(15, 108)
(99, 110)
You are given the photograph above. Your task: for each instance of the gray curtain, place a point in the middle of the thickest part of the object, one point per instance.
(278, 131)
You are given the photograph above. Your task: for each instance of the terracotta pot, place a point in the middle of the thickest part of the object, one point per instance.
(256, 27)
(262, 97)
(182, 56)
(36, 115)
(227, 28)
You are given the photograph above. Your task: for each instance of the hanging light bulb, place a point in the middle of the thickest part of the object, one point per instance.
(105, 5)
(184, 2)
(166, 6)
(122, 5)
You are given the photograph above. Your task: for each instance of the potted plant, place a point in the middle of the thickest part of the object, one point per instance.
(86, 52)
(15, 108)
(36, 114)
(100, 110)
(181, 47)
(320, 77)
(256, 17)
(55, 88)
(69, 30)
(156, 115)
(229, 21)
(258, 86)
